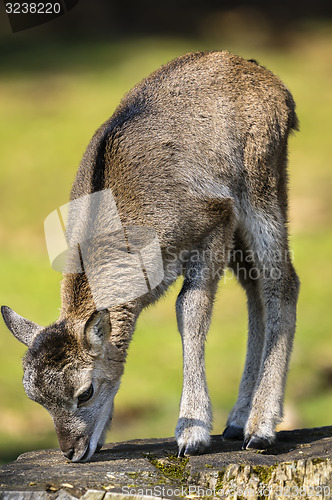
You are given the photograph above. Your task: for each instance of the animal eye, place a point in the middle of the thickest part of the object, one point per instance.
(86, 395)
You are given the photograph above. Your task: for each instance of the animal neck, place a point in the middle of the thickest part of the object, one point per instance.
(123, 321)
(78, 305)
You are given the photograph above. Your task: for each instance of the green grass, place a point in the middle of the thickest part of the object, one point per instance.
(52, 98)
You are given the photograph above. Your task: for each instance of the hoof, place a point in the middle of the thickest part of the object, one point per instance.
(233, 432)
(256, 443)
(191, 450)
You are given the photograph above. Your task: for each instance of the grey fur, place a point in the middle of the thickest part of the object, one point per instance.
(198, 152)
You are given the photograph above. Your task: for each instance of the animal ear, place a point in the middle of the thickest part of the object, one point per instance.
(23, 329)
(97, 331)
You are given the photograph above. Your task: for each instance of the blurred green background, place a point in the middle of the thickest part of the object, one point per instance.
(58, 84)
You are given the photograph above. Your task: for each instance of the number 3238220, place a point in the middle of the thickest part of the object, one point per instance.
(33, 8)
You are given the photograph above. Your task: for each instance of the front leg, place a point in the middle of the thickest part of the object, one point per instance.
(194, 308)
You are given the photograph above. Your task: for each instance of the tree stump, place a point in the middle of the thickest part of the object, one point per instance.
(297, 466)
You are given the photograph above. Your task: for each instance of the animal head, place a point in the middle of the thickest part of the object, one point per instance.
(74, 371)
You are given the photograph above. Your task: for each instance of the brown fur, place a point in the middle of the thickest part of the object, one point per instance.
(197, 151)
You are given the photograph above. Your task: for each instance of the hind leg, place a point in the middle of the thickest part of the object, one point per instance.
(278, 286)
(246, 273)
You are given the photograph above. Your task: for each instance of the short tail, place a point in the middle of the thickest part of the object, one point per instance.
(293, 121)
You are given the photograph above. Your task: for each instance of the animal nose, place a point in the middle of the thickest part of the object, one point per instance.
(69, 453)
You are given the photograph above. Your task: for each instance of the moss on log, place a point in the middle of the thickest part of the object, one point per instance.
(299, 465)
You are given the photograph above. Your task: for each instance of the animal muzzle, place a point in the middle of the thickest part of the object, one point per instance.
(77, 450)
(74, 446)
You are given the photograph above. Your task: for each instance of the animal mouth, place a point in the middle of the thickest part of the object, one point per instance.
(87, 454)
(83, 457)
(96, 441)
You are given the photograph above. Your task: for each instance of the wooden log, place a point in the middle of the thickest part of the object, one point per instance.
(299, 465)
